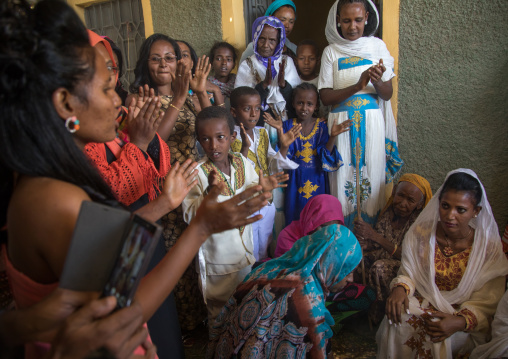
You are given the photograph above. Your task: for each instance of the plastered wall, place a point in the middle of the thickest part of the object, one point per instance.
(198, 22)
(453, 92)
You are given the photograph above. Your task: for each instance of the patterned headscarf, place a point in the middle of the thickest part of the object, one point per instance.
(277, 4)
(315, 264)
(420, 182)
(257, 28)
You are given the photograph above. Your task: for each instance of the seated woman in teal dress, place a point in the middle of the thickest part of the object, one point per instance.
(279, 309)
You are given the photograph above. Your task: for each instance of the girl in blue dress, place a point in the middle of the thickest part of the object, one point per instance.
(314, 150)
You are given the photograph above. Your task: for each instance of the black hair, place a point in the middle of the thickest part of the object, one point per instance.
(310, 43)
(372, 21)
(141, 74)
(220, 45)
(213, 112)
(238, 92)
(461, 181)
(119, 86)
(305, 86)
(42, 49)
(193, 55)
(118, 54)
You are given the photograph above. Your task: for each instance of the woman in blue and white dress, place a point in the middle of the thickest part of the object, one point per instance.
(356, 80)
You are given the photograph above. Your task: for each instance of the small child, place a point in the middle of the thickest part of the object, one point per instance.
(308, 59)
(253, 143)
(223, 58)
(225, 258)
(314, 150)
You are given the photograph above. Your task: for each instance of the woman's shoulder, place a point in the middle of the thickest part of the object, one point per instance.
(45, 196)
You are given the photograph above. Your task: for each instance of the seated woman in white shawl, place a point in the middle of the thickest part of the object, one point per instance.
(272, 74)
(451, 277)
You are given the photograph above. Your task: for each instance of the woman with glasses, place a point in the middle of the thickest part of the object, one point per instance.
(161, 67)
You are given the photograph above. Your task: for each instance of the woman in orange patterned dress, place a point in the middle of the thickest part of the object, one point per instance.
(451, 277)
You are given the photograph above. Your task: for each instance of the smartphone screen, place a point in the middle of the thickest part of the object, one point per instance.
(140, 240)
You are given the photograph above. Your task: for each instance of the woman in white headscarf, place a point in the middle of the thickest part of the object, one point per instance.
(356, 80)
(451, 277)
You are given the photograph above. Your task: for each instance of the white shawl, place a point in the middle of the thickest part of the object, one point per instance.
(486, 261)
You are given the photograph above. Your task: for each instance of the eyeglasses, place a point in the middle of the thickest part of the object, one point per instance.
(113, 69)
(158, 60)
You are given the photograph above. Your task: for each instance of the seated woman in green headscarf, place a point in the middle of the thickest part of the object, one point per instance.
(382, 245)
(279, 309)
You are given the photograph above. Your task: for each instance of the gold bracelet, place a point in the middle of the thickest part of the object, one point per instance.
(395, 250)
(176, 108)
(222, 104)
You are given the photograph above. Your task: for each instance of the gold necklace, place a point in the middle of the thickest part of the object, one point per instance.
(447, 250)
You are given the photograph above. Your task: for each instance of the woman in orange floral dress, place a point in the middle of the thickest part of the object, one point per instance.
(451, 277)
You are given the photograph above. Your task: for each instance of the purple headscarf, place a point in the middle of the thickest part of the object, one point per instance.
(257, 28)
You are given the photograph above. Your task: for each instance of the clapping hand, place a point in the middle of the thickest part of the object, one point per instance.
(281, 74)
(245, 141)
(274, 181)
(275, 123)
(287, 138)
(339, 128)
(144, 125)
(216, 217)
(268, 76)
(144, 93)
(198, 82)
(180, 80)
(179, 181)
(376, 72)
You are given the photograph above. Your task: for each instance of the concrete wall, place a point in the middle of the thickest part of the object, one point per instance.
(198, 22)
(453, 94)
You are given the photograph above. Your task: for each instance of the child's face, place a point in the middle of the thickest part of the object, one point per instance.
(247, 112)
(268, 41)
(305, 103)
(215, 138)
(222, 62)
(306, 60)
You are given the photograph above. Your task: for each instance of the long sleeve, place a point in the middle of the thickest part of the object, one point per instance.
(330, 161)
(481, 306)
(133, 173)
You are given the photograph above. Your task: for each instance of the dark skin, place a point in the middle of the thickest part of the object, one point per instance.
(407, 198)
(305, 102)
(352, 20)
(456, 209)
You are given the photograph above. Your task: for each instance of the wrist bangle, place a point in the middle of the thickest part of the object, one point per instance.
(222, 104)
(394, 250)
(176, 108)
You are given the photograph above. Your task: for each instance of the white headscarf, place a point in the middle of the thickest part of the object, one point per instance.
(486, 261)
(367, 47)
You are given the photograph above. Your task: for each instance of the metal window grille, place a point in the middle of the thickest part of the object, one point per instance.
(122, 21)
(252, 10)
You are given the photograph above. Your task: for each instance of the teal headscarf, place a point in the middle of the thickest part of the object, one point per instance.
(260, 310)
(277, 4)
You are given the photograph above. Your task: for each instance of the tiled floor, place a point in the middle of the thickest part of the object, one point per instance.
(354, 340)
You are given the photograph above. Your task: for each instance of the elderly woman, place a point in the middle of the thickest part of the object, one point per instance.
(451, 276)
(356, 80)
(382, 245)
(270, 72)
(279, 309)
(285, 11)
